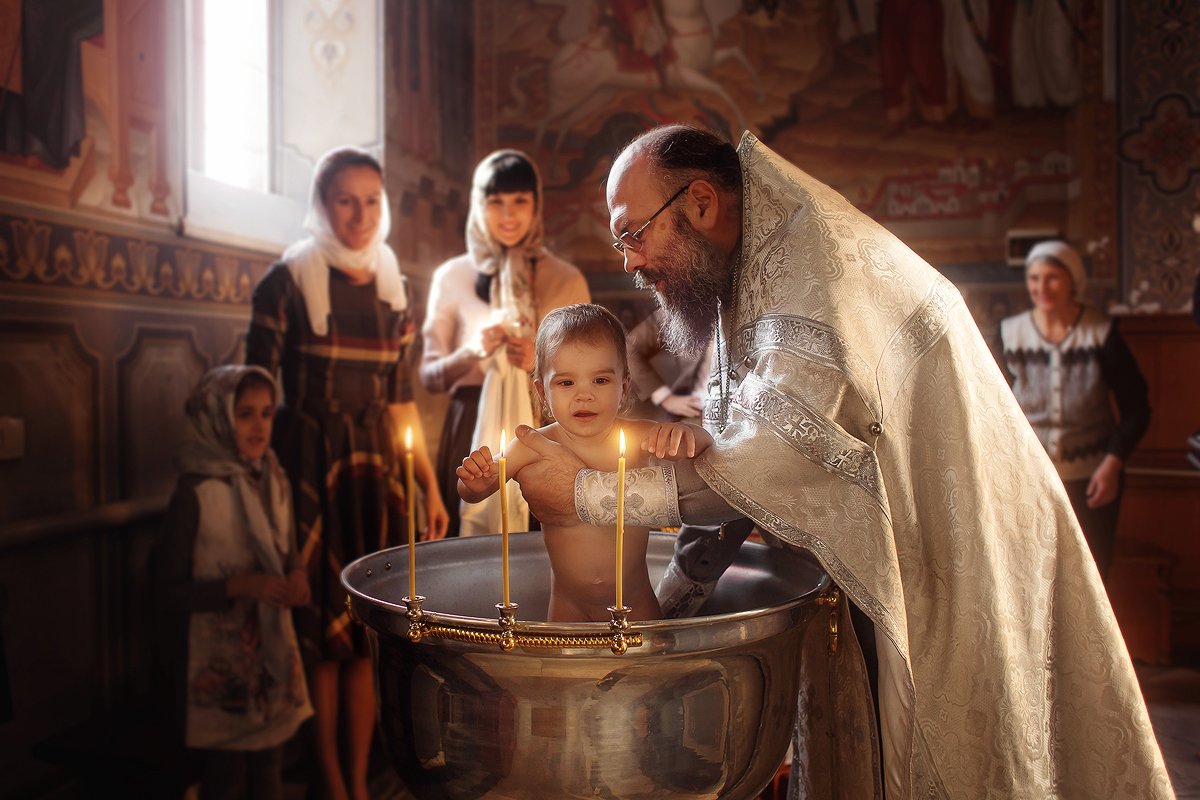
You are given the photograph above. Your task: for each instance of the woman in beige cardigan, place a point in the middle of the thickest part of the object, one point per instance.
(480, 322)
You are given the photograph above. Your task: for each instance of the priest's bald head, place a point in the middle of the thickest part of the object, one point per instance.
(675, 212)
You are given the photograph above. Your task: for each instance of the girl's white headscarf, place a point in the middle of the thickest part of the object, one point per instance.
(309, 260)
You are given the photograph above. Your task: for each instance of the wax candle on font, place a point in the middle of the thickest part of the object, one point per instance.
(410, 498)
(502, 463)
(620, 520)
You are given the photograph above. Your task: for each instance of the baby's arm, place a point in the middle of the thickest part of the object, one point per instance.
(478, 477)
(676, 440)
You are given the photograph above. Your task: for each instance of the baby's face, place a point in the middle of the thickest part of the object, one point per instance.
(253, 412)
(584, 387)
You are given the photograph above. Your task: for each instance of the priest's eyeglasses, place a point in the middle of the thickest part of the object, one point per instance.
(633, 241)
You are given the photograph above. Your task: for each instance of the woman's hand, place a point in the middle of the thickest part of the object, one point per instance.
(488, 339)
(1102, 488)
(273, 590)
(436, 515)
(520, 352)
(298, 591)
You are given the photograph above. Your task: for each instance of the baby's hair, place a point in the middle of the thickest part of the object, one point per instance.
(253, 380)
(582, 322)
(511, 173)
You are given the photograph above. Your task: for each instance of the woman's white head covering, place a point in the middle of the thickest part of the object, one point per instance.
(512, 294)
(309, 260)
(504, 399)
(1062, 254)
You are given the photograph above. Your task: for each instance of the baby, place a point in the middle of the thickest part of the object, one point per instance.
(582, 376)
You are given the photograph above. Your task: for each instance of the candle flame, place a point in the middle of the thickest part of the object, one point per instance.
(503, 440)
(408, 438)
(622, 453)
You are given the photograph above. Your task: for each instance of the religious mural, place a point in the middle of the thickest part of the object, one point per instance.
(1159, 170)
(953, 123)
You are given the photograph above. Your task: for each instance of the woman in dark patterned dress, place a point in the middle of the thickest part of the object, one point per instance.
(335, 318)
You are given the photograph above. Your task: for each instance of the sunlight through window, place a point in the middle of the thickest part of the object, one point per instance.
(234, 91)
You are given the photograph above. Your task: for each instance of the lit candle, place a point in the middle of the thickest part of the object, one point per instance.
(502, 462)
(410, 497)
(620, 520)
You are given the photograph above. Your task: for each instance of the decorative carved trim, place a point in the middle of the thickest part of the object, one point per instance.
(51, 253)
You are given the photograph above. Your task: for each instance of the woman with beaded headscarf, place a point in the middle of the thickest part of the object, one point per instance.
(335, 318)
(1065, 359)
(483, 313)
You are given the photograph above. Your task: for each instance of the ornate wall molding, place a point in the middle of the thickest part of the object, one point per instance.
(53, 253)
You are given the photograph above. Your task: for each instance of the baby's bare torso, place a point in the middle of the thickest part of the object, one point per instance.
(583, 557)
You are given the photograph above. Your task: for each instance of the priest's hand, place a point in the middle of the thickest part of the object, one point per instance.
(548, 482)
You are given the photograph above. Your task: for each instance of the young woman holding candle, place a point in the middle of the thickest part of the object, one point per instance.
(582, 376)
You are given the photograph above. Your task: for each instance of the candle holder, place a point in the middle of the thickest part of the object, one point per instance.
(619, 629)
(508, 625)
(416, 619)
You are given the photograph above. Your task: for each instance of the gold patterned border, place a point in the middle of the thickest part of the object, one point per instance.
(41, 252)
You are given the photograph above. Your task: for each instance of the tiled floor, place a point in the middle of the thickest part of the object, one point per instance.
(1172, 695)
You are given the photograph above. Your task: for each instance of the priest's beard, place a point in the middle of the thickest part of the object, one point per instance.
(696, 275)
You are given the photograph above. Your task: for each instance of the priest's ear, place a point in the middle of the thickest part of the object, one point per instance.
(704, 208)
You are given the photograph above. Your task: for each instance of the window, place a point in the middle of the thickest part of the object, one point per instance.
(271, 85)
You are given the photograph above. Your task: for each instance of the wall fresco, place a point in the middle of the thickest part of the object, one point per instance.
(950, 123)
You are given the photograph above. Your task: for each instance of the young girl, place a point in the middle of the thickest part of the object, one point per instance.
(582, 376)
(231, 573)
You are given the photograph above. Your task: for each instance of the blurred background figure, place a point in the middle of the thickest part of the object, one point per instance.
(335, 317)
(669, 387)
(482, 316)
(1066, 362)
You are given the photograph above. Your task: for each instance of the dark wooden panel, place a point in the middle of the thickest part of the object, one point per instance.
(154, 379)
(1160, 513)
(49, 380)
(1167, 348)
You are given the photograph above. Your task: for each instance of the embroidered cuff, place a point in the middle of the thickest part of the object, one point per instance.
(680, 596)
(651, 497)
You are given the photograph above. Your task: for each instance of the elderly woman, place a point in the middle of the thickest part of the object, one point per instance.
(480, 322)
(335, 316)
(1065, 360)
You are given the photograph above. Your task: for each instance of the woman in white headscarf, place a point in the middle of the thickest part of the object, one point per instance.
(334, 317)
(1065, 359)
(483, 313)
